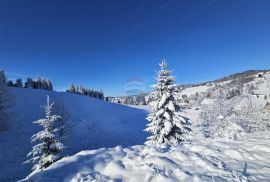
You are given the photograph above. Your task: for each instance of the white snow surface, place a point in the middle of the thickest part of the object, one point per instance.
(246, 159)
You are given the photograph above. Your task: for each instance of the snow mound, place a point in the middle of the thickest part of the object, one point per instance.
(247, 159)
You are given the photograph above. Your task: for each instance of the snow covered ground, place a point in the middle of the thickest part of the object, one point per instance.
(90, 124)
(247, 159)
(93, 126)
(203, 159)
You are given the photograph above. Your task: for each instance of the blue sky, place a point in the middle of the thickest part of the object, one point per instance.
(103, 43)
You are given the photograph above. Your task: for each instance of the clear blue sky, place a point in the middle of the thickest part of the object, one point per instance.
(103, 43)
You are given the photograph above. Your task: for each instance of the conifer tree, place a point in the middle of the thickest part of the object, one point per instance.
(6, 100)
(47, 151)
(29, 83)
(3, 77)
(10, 83)
(19, 83)
(50, 85)
(166, 124)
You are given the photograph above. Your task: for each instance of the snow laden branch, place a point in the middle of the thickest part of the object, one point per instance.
(47, 151)
(166, 124)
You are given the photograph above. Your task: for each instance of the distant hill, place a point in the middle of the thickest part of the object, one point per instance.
(237, 78)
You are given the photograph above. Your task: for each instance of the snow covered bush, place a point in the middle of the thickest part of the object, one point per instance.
(231, 113)
(219, 117)
(6, 100)
(46, 152)
(227, 129)
(165, 121)
(253, 118)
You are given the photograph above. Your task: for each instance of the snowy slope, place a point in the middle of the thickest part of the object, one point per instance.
(90, 124)
(94, 124)
(247, 159)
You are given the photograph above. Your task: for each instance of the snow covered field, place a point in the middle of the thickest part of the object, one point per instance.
(247, 159)
(93, 126)
(90, 124)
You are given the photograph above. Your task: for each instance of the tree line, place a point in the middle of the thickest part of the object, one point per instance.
(46, 84)
(130, 100)
(81, 90)
(38, 83)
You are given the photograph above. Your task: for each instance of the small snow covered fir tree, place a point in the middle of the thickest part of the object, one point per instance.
(47, 151)
(166, 124)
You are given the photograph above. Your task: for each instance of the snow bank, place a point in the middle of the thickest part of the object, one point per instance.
(247, 159)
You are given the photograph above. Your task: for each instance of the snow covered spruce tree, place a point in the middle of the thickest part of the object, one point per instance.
(46, 152)
(166, 124)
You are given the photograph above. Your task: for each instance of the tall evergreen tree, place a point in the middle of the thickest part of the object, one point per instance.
(101, 95)
(44, 84)
(3, 77)
(10, 83)
(39, 83)
(29, 83)
(50, 85)
(72, 88)
(166, 124)
(46, 152)
(6, 100)
(19, 83)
